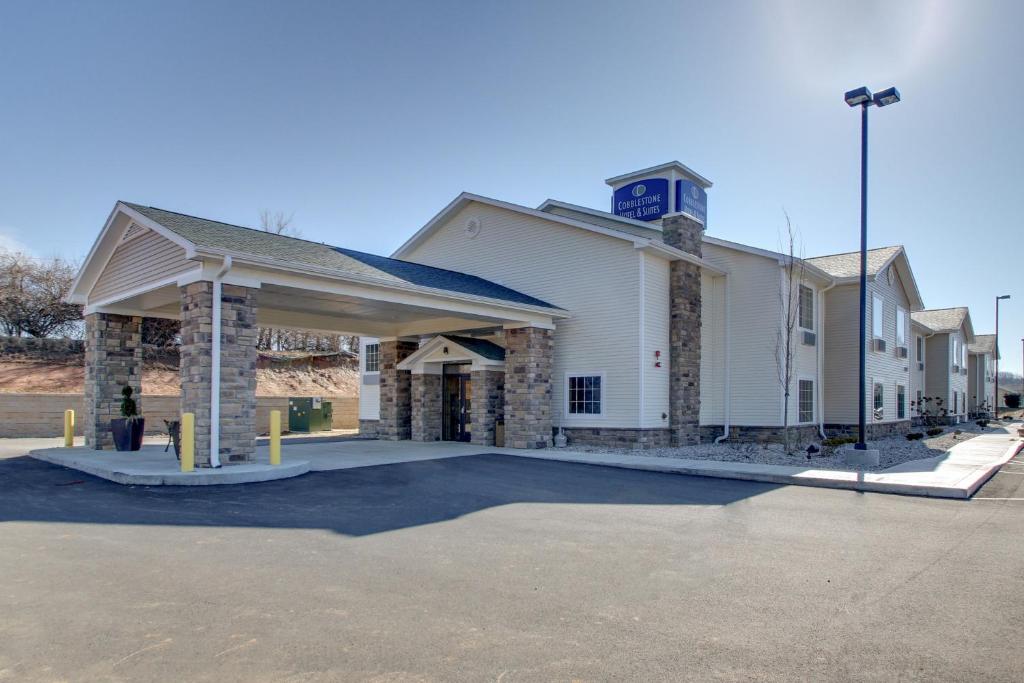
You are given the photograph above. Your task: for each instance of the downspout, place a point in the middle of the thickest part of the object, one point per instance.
(727, 397)
(215, 338)
(821, 360)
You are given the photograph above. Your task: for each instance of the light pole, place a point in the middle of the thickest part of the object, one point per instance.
(863, 98)
(995, 354)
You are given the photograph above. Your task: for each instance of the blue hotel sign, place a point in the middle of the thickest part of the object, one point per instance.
(692, 199)
(645, 200)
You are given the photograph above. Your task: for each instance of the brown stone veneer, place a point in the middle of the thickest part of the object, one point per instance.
(113, 359)
(529, 353)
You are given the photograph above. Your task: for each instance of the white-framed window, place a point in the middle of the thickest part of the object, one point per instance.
(805, 400)
(584, 394)
(878, 400)
(877, 316)
(806, 316)
(901, 326)
(901, 402)
(956, 402)
(919, 340)
(920, 402)
(371, 353)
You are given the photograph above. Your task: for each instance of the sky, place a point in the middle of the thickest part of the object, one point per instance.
(363, 120)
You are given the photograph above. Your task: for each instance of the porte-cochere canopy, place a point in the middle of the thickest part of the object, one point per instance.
(144, 255)
(150, 262)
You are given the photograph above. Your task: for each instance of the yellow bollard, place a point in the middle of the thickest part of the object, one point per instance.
(275, 437)
(188, 442)
(69, 428)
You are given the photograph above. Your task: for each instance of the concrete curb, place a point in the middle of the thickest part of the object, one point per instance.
(873, 482)
(976, 482)
(233, 474)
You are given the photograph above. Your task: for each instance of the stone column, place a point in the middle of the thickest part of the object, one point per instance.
(237, 369)
(113, 359)
(529, 355)
(488, 404)
(426, 407)
(687, 235)
(395, 390)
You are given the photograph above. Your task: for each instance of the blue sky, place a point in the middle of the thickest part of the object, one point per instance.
(365, 119)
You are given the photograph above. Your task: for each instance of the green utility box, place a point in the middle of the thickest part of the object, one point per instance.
(309, 414)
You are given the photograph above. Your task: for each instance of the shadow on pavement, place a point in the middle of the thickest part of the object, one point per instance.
(354, 502)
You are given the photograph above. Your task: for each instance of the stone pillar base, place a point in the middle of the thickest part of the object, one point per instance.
(237, 369)
(529, 356)
(426, 407)
(113, 359)
(488, 406)
(395, 390)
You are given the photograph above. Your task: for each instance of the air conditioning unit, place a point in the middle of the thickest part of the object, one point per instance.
(902, 352)
(810, 339)
(956, 369)
(879, 345)
(920, 366)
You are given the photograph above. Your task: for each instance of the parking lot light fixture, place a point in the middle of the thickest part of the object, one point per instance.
(995, 354)
(863, 98)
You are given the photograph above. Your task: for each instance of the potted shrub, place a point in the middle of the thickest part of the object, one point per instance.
(128, 428)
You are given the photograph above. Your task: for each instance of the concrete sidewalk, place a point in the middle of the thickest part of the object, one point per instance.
(956, 474)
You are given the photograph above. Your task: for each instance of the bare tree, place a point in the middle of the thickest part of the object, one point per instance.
(295, 340)
(33, 296)
(277, 223)
(789, 300)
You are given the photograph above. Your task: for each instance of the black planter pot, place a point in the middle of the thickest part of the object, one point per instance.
(128, 433)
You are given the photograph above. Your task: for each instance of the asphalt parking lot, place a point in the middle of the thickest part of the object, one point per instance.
(502, 568)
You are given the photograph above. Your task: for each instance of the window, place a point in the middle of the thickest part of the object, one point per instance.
(806, 307)
(372, 353)
(920, 402)
(920, 348)
(901, 402)
(956, 402)
(584, 394)
(806, 396)
(901, 327)
(876, 316)
(879, 401)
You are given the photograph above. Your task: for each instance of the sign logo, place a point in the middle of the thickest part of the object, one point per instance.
(645, 200)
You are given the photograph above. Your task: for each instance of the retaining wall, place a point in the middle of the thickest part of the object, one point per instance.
(24, 415)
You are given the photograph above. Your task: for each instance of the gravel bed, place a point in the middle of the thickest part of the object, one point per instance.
(892, 451)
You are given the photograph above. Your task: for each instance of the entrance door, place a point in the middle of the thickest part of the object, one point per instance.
(458, 394)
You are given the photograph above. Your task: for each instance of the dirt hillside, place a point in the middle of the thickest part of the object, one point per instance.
(37, 376)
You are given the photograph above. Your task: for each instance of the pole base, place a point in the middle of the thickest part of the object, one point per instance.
(856, 457)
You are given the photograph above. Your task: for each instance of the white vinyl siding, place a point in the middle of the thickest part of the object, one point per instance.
(655, 340)
(369, 389)
(593, 276)
(754, 286)
(841, 349)
(149, 257)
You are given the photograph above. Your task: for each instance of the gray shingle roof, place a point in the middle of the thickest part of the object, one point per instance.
(983, 343)
(848, 264)
(481, 347)
(238, 239)
(941, 319)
